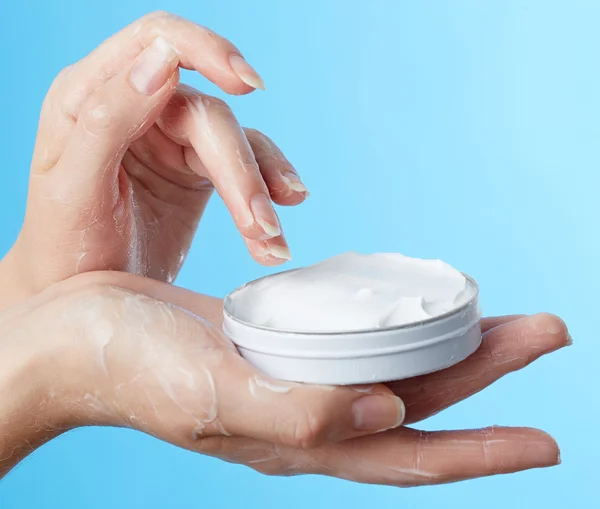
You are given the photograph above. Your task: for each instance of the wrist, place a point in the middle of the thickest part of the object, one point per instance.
(44, 376)
(26, 407)
(15, 286)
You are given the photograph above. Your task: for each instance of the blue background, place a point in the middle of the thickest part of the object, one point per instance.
(463, 130)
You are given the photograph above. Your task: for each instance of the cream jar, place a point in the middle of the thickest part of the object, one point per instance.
(356, 319)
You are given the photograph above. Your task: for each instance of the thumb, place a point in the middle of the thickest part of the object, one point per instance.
(219, 391)
(119, 112)
(253, 405)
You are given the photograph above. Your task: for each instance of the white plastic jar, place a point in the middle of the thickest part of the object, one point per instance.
(429, 328)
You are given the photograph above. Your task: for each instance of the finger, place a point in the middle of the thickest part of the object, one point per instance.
(198, 48)
(119, 112)
(495, 321)
(407, 457)
(270, 252)
(505, 348)
(281, 178)
(279, 175)
(302, 416)
(209, 127)
(402, 457)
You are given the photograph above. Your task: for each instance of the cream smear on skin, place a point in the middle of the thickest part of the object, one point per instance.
(353, 292)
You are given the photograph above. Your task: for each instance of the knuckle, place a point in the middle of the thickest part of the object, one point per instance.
(102, 298)
(159, 15)
(308, 432)
(214, 445)
(62, 77)
(214, 105)
(97, 281)
(260, 142)
(59, 88)
(156, 20)
(251, 132)
(97, 116)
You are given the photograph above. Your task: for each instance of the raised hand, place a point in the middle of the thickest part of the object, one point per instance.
(126, 159)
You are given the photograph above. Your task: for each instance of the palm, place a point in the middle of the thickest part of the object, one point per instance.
(402, 456)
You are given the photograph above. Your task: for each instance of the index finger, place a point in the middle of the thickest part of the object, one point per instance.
(402, 457)
(505, 348)
(198, 48)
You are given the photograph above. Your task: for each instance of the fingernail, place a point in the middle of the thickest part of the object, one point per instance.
(541, 455)
(153, 67)
(540, 452)
(378, 412)
(279, 252)
(264, 214)
(246, 72)
(569, 340)
(294, 183)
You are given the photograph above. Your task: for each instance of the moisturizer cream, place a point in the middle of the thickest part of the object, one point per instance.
(353, 292)
(356, 319)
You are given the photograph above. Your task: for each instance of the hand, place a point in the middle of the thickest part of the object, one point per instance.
(126, 159)
(409, 457)
(134, 352)
(94, 351)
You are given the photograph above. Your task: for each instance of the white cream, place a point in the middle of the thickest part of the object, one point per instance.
(353, 292)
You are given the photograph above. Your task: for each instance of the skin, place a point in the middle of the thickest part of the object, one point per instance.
(121, 350)
(125, 161)
(120, 177)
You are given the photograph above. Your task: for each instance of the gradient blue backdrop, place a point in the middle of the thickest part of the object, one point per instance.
(464, 130)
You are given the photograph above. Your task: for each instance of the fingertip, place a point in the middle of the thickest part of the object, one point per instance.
(521, 448)
(268, 261)
(245, 72)
(262, 223)
(285, 196)
(270, 253)
(290, 200)
(552, 329)
(542, 436)
(552, 324)
(236, 87)
(546, 451)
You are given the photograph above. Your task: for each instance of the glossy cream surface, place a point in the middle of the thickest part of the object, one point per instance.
(352, 292)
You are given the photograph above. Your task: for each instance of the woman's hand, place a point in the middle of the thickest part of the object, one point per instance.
(116, 349)
(93, 350)
(126, 159)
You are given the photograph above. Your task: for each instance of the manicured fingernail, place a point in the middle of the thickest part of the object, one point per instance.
(378, 412)
(153, 67)
(262, 210)
(280, 252)
(294, 183)
(246, 72)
